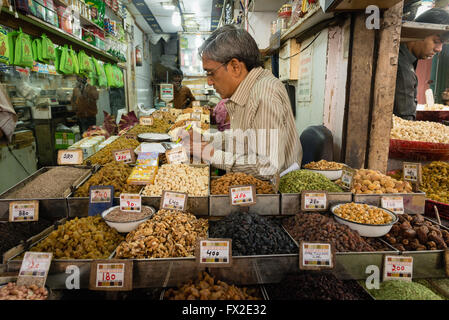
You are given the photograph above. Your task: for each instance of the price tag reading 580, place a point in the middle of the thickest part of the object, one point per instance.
(242, 195)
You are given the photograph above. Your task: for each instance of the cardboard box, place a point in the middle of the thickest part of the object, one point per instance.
(63, 140)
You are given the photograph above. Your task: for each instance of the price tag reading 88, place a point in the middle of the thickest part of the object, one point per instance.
(110, 275)
(398, 268)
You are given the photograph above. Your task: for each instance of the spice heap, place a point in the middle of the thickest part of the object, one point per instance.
(435, 181)
(318, 227)
(159, 126)
(222, 185)
(324, 165)
(300, 180)
(168, 234)
(84, 238)
(402, 290)
(12, 233)
(252, 235)
(315, 286)
(164, 116)
(117, 215)
(50, 184)
(425, 131)
(205, 287)
(106, 155)
(363, 213)
(414, 232)
(14, 292)
(372, 181)
(115, 174)
(180, 178)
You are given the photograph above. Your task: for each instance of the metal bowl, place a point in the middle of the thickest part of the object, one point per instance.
(125, 227)
(153, 137)
(367, 230)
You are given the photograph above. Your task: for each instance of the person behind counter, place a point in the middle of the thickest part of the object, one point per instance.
(84, 102)
(409, 52)
(256, 100)
(183, 97)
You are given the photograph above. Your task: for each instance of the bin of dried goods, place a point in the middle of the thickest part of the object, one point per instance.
(402, 290)
(293, 183)
(367, 220)
(435, 183)
(114, 173)
(159, 126)
(126, 221)
(49, 185)
(168, 234)
(206, 287)
(371, 185)
(329, 169)
(419, 140)
(12, 291)
(190, 179)
(253, 234)
(316, 286)
(106, 155)
(165, 116)
(267, 198)
(416, 233)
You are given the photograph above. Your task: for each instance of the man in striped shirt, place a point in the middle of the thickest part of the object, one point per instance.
(263, 139)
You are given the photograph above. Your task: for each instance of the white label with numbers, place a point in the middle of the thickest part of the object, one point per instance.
(394, 204)
(398, 268)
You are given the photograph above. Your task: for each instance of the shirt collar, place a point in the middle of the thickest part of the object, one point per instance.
(408, 54)
(240, 96)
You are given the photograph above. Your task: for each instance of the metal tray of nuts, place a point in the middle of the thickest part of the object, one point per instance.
(266, 204)
(197, 205)
(261, 292)
(413, 202)
(50, 207)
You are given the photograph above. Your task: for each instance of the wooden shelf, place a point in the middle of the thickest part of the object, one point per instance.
(357, 5)
(412, 31)
(35, 27)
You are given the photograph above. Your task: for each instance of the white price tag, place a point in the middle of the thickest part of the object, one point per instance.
(242, 195)
(22, 211)
(214, 252)
(34, 268)
(197, 110)
(126, 155)
(166, 92)
(347, 177)
(314, 201)
(70, 157)
(146, 121)
(316, 256)
(394, 204)
(110, 275)
(165, 109)
(398, 268)
(411, 171)
(130, 202)
(173, 200)
(176, 155)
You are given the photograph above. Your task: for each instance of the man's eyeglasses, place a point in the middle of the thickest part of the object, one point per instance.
(211, 73)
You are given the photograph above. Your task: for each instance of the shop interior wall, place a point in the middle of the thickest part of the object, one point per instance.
(259, 26)
(143, 73)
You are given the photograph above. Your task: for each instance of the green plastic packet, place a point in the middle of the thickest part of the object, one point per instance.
(66, 63)
(58, 52)
(37, 50)
(84, 62)
(102, 80)
(109, 70)
(92, 74)
(23, 52)
(76, 66)
(118, 74)
(4, 46)
(48, 49)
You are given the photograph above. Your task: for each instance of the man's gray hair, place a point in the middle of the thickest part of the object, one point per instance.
(230, 42)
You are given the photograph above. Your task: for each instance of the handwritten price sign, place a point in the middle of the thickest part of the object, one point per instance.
(195, 116)
(146, 121)
(316, 256)
(130, 202)
(412, 172)
(347, 177)
(176, 155)
(214, 252)
(394, 204)
(125, 155)
(22, 211)
(314, 201)
(34, 268)
(114, 275)
(242, 195)
(70, 157)
(398, 268)
(100, 195)
(173, 200)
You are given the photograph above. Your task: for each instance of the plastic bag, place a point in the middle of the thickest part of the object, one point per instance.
(58, 53)
(48, 49)
(102, 80)
(23, 53)
(92, 74)
(66, 63)
(4, 46)
(76, 66)
(109, 70)
(37, 50)
(84, 62)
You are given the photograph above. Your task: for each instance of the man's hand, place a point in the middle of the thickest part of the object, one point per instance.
(194, 146)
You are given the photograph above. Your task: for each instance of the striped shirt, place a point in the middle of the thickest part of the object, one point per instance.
(260, 103)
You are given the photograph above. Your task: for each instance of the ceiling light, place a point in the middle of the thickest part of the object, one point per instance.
(176, 19)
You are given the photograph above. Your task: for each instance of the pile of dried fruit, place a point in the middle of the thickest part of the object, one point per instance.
(301, 180)
(222, 184)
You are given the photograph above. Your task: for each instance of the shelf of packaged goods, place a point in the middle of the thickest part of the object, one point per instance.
(350, 5)
(412, 31)
(35, 27)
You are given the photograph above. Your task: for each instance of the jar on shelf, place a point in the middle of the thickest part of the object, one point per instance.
(284, 15)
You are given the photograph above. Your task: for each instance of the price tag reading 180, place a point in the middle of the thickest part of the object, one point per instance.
(398, 268)
(215, 252)
(242, 195)
(111, 275)
(22, 211)
(130, 202)
(394, 204)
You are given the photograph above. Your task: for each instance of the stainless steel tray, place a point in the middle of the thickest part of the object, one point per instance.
(52, 208)
(413, 202)
(291, 202)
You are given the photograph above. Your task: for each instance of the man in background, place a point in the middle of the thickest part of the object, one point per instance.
(84, 103)
(183, 97)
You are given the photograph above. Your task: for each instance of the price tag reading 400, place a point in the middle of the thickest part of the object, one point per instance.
(23, 211)
(70, 157)
(214, 252)
(242, 195)
(173, 200)
(34, 268)
(130, 202)
(398, 268)
(395, 204)
(314, 201)
(114, 275)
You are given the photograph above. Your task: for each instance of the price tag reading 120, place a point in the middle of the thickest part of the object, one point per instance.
(395, 204)
(215, 252)
(130, 202)
(242, 195)
(398, 268)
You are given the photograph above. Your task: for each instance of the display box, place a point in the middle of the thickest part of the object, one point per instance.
(63, 140)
